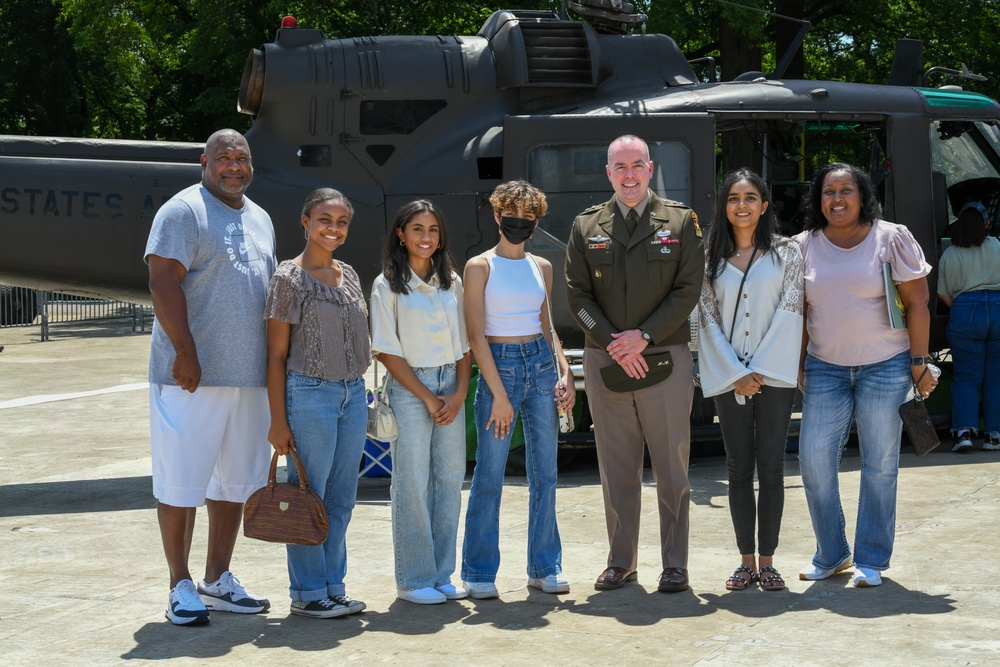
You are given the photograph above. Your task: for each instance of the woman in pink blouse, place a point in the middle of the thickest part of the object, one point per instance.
(857, 367)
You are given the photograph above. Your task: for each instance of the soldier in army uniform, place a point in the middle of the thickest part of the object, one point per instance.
(634, 269)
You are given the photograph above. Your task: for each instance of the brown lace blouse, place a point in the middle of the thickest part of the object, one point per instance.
(329, 337)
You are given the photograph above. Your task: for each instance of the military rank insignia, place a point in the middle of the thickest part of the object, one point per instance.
(697, 227)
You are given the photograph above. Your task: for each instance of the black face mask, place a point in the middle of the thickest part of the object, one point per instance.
(516, 230)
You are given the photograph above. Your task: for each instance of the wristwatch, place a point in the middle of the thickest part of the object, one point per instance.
(645, 336)
(918, 361)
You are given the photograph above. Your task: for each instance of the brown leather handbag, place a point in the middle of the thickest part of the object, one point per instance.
(289, 513)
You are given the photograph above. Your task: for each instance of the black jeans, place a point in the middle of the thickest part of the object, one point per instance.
(755, 435)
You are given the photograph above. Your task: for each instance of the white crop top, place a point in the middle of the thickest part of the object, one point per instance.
(515, 293)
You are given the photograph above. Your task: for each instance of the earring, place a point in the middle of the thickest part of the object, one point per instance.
(305, 233)
(440, 246)
(402, 243)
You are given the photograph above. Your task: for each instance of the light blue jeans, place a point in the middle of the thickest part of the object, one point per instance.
(328, 420)
(529, 377)
(834, 397)
(974, 336)
(428, 467)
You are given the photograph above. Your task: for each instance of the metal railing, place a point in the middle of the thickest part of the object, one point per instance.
(22, 307)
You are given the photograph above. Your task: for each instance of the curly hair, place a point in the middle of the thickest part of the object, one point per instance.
(870, 207)
(395, 258)
(512, 195)
(721, 242)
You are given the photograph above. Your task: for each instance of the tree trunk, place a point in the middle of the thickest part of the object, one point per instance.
(784, 33)
(739, 55)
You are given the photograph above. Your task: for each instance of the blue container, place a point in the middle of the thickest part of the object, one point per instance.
(375, 459)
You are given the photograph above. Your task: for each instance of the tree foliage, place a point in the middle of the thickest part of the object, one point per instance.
(41, 93)
(170, 69)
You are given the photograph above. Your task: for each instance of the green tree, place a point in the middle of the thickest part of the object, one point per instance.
(170, 69)
(41, 94)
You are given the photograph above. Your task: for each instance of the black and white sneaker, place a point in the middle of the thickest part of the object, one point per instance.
(354, 606)
(991, 442)
(325, 608)
(963, 442)
(184, 606)
(228, 594)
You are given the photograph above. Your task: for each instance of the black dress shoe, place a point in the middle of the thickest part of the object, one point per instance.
(673, 580)
(614, 577)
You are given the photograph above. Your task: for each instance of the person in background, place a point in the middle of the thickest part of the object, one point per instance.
(634, 270)
(210, 254)
(749, 343)
(418, 333)
(506, 291)
(969, 282)
(857, 368)
(317, 353)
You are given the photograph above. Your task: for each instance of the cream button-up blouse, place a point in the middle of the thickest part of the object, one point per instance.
(426, 327)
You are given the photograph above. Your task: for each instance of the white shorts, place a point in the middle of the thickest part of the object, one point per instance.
(209, 444)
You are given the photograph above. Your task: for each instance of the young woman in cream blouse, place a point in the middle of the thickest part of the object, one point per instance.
(418, 332)
(749, 342)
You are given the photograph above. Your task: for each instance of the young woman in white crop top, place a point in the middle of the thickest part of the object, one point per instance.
(506, 318)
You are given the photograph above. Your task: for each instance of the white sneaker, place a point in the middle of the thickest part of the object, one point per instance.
(452, 592)
(228, 594)
(421, 596)
(184, 607)
(814, 573)
(481, 590)
(865, 578)
(554, 583)
(991, 442)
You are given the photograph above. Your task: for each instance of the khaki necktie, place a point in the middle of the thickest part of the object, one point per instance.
(631, 220)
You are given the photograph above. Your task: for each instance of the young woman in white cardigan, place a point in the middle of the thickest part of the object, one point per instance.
(749, 342)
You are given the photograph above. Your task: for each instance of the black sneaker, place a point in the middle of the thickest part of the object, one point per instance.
(325, 608)
(991, 442)
(353, 605)
(963, 442)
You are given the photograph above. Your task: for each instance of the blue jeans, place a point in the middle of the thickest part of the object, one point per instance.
(428, 467)
(529, 377)
(328, 420)
(834, 397)
(974, 336)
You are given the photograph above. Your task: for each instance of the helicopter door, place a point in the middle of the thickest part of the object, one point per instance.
(565, 157)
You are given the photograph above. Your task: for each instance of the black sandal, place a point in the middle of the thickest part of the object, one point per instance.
(738, 583)
(773, 582)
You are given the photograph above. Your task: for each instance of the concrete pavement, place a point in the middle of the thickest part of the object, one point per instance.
(83, 581)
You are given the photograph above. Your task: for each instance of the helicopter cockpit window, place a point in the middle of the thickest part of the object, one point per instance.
(573, 178)
(965, 159)
(397, 116)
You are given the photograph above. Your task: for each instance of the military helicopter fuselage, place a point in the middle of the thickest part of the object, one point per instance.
(390, 119)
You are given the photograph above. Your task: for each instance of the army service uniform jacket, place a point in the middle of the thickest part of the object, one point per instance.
(650, 282)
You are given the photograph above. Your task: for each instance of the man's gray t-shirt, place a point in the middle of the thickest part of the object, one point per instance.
(229, 257)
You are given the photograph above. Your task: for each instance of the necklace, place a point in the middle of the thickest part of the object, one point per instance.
(742, 251)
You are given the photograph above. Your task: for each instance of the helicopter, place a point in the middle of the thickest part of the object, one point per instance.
(533, 95)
